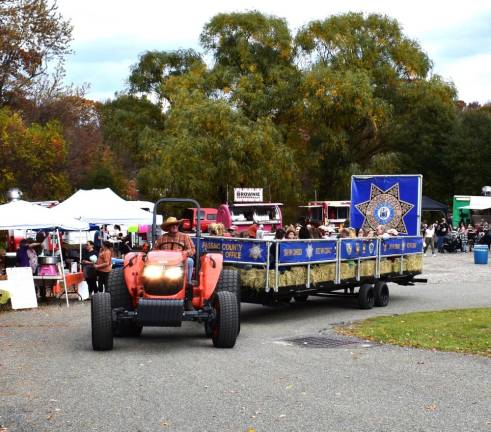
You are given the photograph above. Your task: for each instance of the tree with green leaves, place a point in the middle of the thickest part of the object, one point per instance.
(207, 145)
(350, 94)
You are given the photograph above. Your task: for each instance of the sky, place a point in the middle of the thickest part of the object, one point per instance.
(109, 35)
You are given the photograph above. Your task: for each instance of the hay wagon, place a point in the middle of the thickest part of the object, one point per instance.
(274, 271)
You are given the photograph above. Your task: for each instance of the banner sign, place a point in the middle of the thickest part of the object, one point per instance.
(307, 251)
(235, 250)
(358, 248)
(291, 252)
(397, 246)
(391, 201)
(248, 195)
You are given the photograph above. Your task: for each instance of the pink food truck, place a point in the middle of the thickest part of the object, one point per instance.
(247, 209)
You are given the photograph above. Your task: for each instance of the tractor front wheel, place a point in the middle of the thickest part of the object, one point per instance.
(120, 298)
(230, 281)
(102, 334)
(225, 326)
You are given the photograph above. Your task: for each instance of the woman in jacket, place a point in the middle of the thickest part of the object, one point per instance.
(103, 266)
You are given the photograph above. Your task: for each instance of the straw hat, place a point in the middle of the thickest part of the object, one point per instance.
(171, 221)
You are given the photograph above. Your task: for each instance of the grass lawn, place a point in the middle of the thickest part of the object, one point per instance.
(464, 331)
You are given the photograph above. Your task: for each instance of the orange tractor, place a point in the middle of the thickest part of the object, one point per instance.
(151, 288)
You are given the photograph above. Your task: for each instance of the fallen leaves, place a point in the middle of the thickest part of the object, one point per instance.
(431, 407)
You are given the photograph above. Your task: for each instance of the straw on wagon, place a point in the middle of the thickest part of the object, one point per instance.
(385, 266)
(415, 263)
(253, 278)
(348, 270)
(323, 273)
(367, 268)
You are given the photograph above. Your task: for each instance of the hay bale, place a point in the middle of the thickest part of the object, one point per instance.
(348, 270)
(415, 263)
(323, 273)
(367, 268)
(385, 266)
(295, 276)
(253, 278)
(396, 265)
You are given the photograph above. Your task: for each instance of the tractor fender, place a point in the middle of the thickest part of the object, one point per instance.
(133, 268)
(211, 268)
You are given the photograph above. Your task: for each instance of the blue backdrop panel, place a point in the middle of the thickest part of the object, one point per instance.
(356, 248)
(392, 201)
(235, 250)
(307, 251)
(394, 246)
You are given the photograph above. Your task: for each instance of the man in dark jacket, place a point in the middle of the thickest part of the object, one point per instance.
(89, 257)
(442, 230)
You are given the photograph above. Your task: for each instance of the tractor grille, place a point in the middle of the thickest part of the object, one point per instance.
(163, 287)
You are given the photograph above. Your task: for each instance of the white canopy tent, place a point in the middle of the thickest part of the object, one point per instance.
(478, 203)
(103, 207)
(25, 215)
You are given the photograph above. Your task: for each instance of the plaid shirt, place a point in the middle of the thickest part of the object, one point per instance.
(186, 244)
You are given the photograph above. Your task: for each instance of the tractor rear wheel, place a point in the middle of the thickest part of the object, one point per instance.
(230, 281)
(102, 336)
(120, 298)
(226, 323)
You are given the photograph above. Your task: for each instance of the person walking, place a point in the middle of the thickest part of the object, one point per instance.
(441, 231)
(103, 266)
(429, 235)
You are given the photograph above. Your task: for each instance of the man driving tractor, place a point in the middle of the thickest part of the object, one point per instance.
(173, 239)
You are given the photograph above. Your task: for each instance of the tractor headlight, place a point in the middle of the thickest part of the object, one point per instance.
(160, 272)
(153, 272)
(173, 273)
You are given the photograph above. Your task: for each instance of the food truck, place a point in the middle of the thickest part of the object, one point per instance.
(327, 212)
(248, 209)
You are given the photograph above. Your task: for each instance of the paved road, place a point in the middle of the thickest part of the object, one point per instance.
(174, 380)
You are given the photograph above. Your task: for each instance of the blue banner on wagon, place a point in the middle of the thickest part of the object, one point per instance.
(358, 248)
(307, 251)
(400, 246)
(391, 201)
(235, 250)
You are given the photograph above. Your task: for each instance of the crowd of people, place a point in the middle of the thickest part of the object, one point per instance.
(97, 255)
(440, 236)
(302, 230)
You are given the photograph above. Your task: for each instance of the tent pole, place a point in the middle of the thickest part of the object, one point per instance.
(62, 267)
(80, 251)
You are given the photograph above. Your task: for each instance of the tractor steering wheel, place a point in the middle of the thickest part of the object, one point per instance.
(182, 245)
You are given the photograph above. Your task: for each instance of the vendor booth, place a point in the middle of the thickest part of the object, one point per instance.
(480, 209)
(27, 216)
(104, 207)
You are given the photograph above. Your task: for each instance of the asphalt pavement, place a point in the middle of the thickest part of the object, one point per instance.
(173, 379)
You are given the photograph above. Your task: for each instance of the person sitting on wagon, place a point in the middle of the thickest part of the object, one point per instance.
(173, 239)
